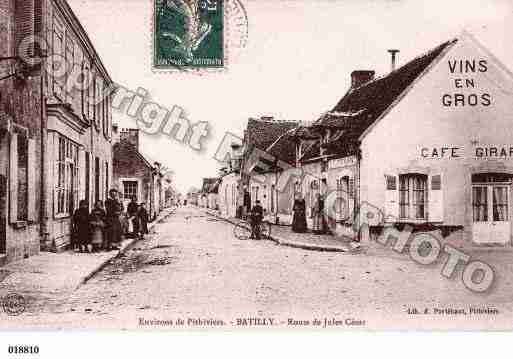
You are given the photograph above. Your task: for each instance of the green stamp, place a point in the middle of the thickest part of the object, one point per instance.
(188, 34)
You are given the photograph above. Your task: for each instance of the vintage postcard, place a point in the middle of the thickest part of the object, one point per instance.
(176, 165)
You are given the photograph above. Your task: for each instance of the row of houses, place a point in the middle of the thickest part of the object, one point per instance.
(208, 194)
(56, 144)
(429, 144)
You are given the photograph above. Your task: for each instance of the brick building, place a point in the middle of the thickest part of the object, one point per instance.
(134, 174)
(20, 134)
(78, 150)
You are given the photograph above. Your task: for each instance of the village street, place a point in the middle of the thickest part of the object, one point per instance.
(193, 267)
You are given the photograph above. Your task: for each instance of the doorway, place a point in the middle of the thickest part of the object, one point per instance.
(491, 201)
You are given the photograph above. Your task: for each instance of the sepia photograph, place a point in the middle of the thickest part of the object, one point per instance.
(255, 165)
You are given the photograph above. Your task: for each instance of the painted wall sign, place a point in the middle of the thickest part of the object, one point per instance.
(342, 162)
(466, 87)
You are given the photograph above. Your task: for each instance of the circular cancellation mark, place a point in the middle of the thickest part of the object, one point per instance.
(14, 304)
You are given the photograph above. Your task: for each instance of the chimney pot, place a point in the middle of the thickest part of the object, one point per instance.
(131, 135)
(361, 77)
(393, 53)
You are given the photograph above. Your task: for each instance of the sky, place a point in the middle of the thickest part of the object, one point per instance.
(295, 66)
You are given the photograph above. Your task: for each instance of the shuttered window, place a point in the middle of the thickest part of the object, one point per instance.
(436, 182)
(391, 183)
(28, 22)
(70, 62)
(58, 49)
(22, 177)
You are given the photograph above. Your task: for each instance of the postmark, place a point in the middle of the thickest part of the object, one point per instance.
(14, 304)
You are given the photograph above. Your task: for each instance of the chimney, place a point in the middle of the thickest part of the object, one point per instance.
(131, 135)
(115, 133)
(360, 77)
(393, 52)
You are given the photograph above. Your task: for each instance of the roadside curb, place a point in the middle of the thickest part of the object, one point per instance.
(122, 250)
(294, 244)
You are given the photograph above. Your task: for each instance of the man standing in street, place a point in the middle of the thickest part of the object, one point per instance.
(257, 214)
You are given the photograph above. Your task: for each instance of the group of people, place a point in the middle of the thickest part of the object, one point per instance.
(102, 228)
(137, 219)
(299, 225)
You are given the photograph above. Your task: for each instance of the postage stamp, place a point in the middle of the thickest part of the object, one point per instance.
(189, 34)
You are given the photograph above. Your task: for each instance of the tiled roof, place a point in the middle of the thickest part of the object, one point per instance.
(284, 148)
(127, 145)
(361, 106)
(210, 185)
(263, 133)
(311, 152)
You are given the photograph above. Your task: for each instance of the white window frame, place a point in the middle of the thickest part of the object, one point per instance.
(71, 176)
(411, 205)
(139, 189)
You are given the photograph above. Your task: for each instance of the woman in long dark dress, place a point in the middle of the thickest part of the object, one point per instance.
(299, 217)
(318, 219)
(113, 209)
(143, 219)
(81, 231)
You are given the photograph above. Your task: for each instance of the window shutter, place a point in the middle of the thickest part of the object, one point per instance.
(55, 172)
(13, 179)
(80, 174)
(351, 199)
(435, 198)
(31, 184)
(351, 188)
(25, 25)
(391, 196)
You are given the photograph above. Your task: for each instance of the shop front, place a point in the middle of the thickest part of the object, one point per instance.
(491, 206)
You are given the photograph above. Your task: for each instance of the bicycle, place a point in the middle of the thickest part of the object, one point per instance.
(242, 230)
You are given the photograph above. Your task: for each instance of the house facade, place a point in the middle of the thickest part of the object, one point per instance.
(134, 175)
(21, 130)
(55, 139)
(229, 194)
(209, 193)
(269, 152)
(428, 145)
(78, 150)
(453, 167)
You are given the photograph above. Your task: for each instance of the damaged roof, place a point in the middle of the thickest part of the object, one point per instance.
(210, 185)
(363, 105)
(262, 133)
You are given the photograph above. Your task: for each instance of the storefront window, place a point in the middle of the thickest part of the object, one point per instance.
(412, 196)
(490, 200)
(500, 204)
(480, 204)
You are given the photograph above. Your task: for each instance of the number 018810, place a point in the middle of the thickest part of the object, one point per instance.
(23, 349)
